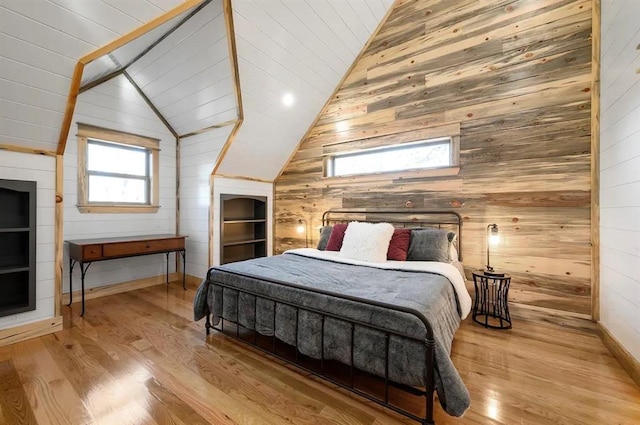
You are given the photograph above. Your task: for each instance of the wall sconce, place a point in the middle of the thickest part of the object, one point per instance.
(493, 237)
(302, 228)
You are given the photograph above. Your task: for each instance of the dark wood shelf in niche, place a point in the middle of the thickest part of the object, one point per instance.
(14, 229)
(15, 294)
(253, 241)
(5, 270)
(243, 227)
(17, 246)
(245, 220)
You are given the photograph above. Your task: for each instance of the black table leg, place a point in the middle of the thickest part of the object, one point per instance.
(83, 271)
(184, 268)
(72, 263)
(167, 253)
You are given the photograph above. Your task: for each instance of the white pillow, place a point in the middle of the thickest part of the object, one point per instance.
(367, 241)
(453, 251)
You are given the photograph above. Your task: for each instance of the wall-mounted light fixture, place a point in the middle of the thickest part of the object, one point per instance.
(493, 237)
(302, 228)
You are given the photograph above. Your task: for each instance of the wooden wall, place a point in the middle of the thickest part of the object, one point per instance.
(516, 76)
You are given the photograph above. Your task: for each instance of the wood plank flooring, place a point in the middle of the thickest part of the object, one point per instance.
(138, 358)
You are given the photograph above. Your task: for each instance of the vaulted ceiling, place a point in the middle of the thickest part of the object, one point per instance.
(291, 51)
(291, 54)
(182, 66)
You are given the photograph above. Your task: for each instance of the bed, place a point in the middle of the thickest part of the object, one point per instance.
(394, 320)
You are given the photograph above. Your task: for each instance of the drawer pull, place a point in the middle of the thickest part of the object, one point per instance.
(148, 246)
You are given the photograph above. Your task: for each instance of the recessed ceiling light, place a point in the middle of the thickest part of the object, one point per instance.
(287, 99)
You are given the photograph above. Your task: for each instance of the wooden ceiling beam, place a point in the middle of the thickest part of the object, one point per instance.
(123, 68)
(233, 58)
(74, 90)
(211, 127)
(100, 80)
(132, 35)
(151, 105)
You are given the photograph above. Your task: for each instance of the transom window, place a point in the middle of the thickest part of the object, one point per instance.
(117, 172)
(423, 154)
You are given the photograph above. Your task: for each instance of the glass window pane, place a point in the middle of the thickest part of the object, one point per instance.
(117, 189)
(402, 158)
(116, 159)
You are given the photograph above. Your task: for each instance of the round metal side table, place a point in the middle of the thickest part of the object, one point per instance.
(491, 304)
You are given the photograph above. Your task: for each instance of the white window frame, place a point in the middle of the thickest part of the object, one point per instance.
(90, 134)
(454, 153)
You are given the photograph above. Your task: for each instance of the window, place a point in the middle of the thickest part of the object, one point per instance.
(423, 154)
(117, 172)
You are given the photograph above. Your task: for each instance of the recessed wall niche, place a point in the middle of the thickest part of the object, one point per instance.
(17, 246)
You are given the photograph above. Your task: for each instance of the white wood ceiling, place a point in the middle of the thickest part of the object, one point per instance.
(40, 43)
(296, 48)
(187, 76)
(124, 55)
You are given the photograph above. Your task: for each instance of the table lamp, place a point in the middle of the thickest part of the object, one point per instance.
(493, 237)
(302, 228)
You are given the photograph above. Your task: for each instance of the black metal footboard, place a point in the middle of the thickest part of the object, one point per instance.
(429, 343)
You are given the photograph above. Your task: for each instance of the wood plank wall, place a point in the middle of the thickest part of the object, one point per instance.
(516, 76)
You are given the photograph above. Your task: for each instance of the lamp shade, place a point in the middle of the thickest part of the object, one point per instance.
(493, 237)
(302, 228)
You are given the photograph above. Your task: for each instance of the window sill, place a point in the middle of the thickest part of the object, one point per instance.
(117, 209)
(398, 175)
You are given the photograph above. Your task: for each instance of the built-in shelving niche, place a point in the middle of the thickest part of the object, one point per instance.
(17, 246)
(243, 227)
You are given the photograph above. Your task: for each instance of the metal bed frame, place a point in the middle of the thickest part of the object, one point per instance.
(411, 219)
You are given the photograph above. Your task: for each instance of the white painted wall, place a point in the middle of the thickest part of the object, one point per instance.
(224, 185)
(620, 173)
(41, 169)
(198, 155)
(116, 105)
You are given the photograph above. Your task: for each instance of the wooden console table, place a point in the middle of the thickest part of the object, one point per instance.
(87, 251)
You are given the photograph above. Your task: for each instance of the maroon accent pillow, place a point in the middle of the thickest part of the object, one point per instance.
(337, 236)
(399, 245)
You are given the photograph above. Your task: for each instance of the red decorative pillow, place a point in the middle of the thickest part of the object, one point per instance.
(337, 236)
(399, 245)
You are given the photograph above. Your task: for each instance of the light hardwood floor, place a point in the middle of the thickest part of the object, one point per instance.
(138, 358)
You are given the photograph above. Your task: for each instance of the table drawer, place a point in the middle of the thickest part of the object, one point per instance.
(142, 247)
(91, 252)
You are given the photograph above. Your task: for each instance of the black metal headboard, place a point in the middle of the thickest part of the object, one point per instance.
(400, 218)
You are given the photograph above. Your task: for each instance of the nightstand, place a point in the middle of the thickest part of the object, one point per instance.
(491, 304)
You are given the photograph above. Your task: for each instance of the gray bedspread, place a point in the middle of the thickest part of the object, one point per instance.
(428, 293)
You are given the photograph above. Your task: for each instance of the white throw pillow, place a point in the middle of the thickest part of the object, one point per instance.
(453, 251)
(367, 241)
